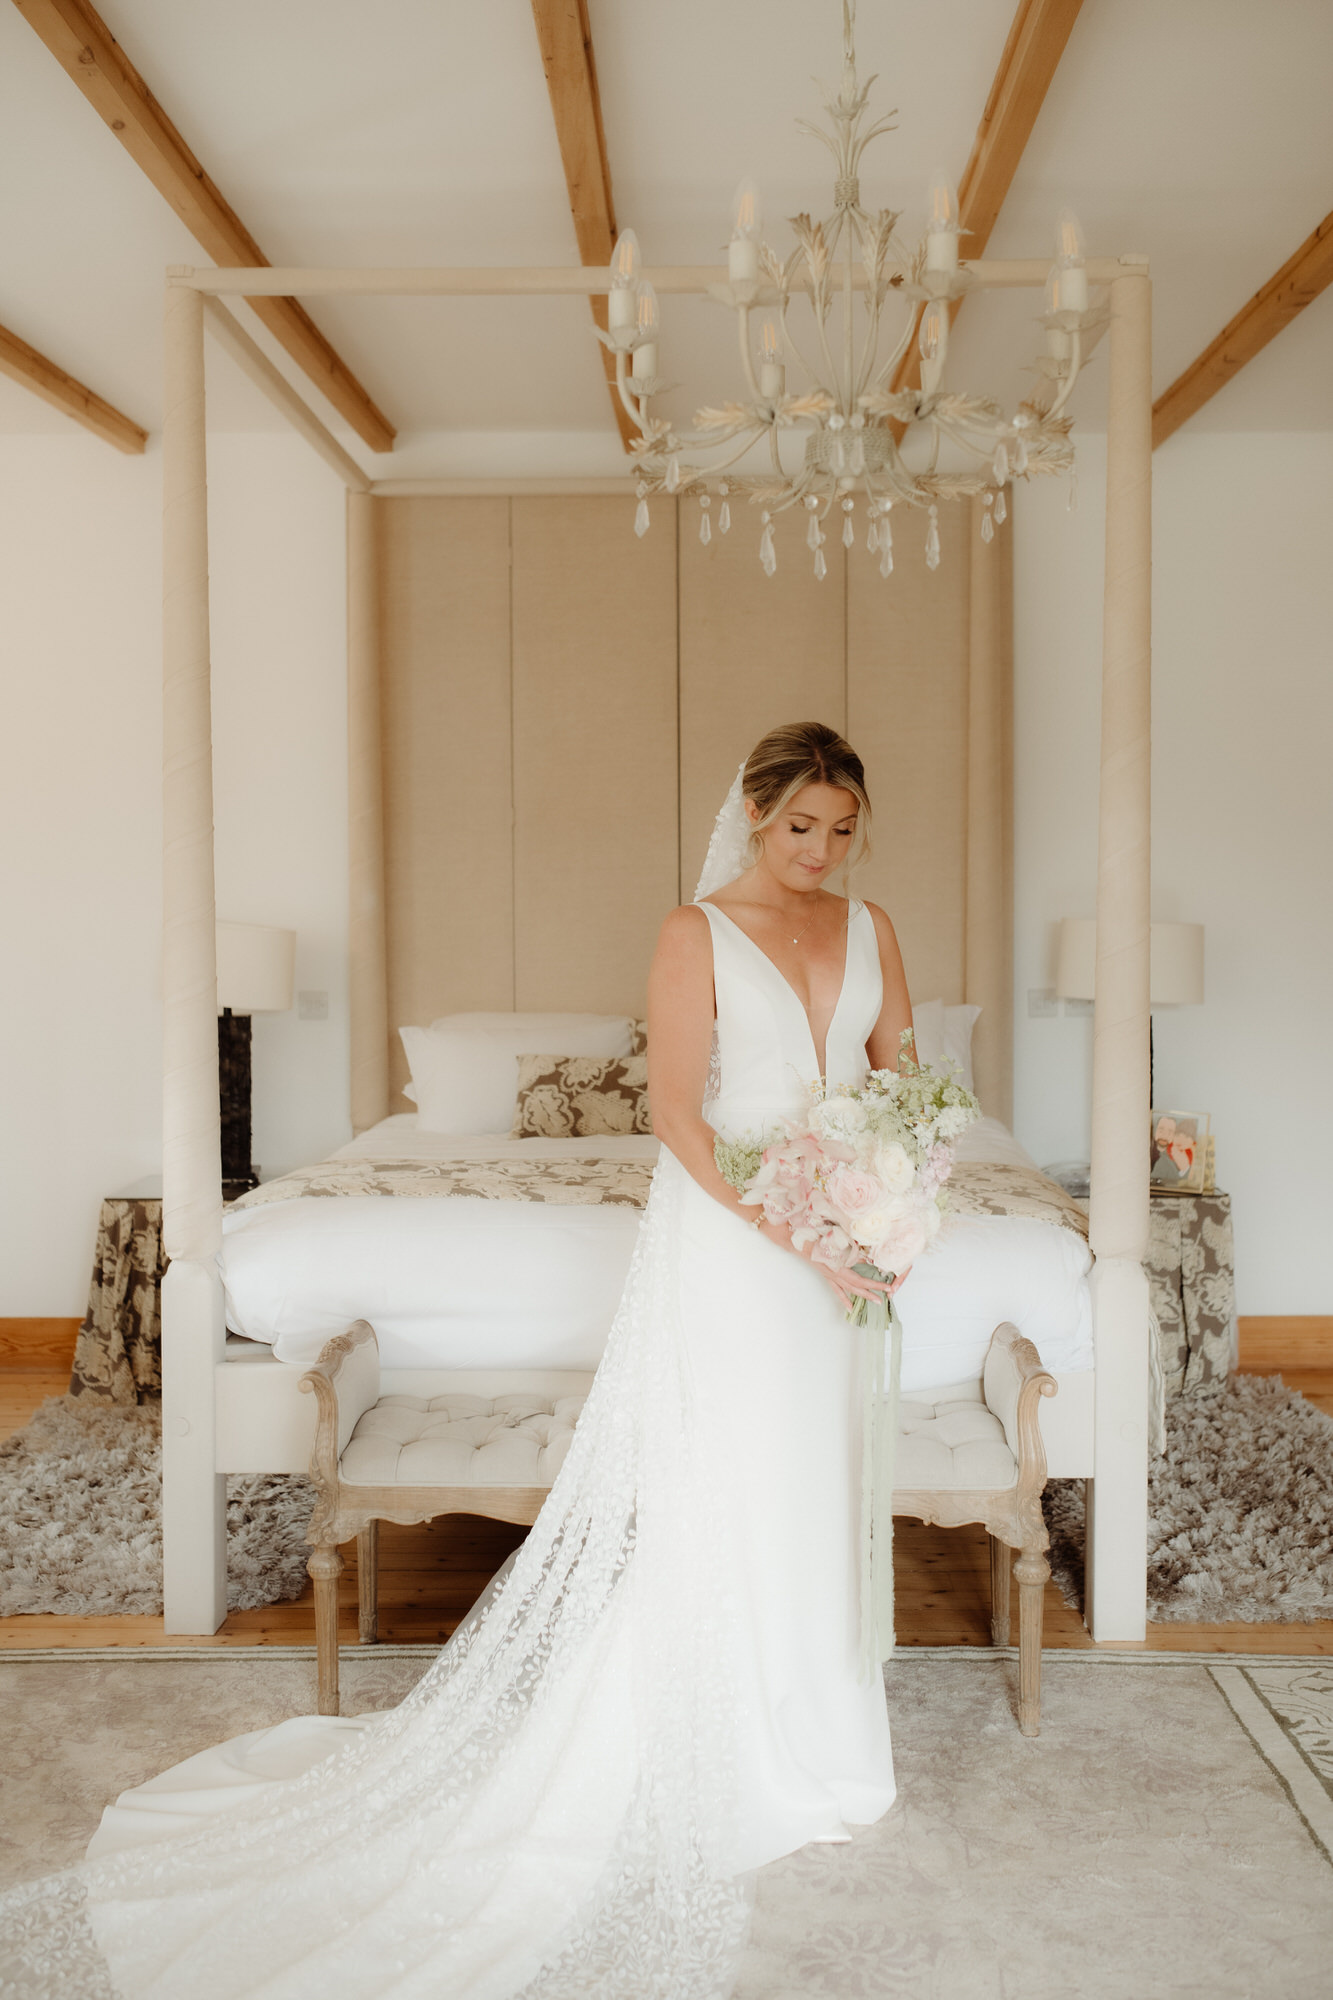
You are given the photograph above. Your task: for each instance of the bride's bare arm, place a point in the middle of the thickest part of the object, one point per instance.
(895, 1013)
(680, 1037)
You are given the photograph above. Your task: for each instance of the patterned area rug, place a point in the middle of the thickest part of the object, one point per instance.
(1170, 1833)
(81, 1517)
(1240, 1510)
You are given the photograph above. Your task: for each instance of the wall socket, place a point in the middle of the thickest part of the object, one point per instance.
(312, 1006)
(1042, 1003)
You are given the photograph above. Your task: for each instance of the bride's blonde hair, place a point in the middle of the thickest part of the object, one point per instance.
(787, 760)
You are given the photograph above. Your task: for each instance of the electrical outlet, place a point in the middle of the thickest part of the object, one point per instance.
(1079, 1007)
(1042, 1003)
(312, 1006)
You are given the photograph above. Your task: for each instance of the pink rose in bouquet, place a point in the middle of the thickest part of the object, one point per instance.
(860, 1183)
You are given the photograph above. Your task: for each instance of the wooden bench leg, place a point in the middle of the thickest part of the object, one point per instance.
(325, 1567)
(1032, 1571)
(1001, 1562)
(368, 1580)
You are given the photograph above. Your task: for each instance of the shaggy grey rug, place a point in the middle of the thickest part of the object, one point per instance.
(1240, 1510)
(81, 1517)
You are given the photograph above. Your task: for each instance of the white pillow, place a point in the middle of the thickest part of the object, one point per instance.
(944, 1034)
(465, 1066)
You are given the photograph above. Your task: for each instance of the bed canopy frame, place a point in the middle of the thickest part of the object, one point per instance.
(202, 1393)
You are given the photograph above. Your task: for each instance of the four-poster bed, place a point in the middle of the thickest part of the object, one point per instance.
(223, 1414)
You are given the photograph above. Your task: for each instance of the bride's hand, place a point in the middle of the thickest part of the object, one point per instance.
(849, 1285)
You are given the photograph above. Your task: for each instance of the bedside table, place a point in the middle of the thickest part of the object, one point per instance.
(118, 1353)
(1192, 1284)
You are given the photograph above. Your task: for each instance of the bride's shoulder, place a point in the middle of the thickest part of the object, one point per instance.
(683, 929)
(884, 931)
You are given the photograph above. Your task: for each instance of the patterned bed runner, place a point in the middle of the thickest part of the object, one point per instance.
(593, 1183)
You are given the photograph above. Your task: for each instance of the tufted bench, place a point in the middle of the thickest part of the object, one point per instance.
(412, 1458)
(971, 1454)
(976, 1454)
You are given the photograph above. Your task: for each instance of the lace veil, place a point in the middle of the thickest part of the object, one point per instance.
(727, 855)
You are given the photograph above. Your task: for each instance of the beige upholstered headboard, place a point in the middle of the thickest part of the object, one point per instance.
(546, 713)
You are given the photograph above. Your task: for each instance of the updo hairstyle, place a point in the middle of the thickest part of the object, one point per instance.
(787, 760)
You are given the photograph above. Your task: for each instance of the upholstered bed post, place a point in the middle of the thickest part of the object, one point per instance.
(989, 934)
(1118, 1500)
(367, 962)
(193, 1494)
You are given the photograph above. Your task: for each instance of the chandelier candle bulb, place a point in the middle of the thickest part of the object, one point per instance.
(772, 374)
(1071, 273)
(942, 232)
(622, 304)
(644, 365)
(743, 250)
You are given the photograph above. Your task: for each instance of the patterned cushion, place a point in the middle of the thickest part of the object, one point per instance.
(581, 1097)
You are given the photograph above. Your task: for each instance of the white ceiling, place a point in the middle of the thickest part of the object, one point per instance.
(419, 132)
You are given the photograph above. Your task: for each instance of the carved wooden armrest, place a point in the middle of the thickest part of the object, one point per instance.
(345, 1382)
(1014, 1384)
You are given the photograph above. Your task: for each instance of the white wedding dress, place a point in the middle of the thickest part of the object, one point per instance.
(660, 1692)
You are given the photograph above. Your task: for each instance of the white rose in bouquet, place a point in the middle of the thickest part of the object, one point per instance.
(904, 1238)
(893, 1167)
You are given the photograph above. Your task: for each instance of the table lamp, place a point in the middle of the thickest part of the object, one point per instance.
(1175, 969)
(256, 975)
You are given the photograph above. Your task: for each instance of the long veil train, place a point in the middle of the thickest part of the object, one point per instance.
(497, 1834)
(549, 1814)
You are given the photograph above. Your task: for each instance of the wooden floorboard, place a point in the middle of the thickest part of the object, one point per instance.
(430, 1575)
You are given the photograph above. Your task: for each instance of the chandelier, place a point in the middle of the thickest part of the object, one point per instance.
(842, 284)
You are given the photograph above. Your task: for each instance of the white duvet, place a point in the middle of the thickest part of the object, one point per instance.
(467, 1283)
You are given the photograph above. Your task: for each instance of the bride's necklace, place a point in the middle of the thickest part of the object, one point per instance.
(804, 928)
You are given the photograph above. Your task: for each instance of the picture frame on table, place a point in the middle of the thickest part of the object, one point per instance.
(1180, 1151)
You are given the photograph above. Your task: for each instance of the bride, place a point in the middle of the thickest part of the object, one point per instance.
(661, 1691)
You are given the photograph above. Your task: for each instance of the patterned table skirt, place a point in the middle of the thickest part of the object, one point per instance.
(1190, 1273)
(118, 1353)
(1191, 1279)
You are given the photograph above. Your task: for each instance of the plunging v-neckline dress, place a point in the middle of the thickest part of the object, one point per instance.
(660, 1692)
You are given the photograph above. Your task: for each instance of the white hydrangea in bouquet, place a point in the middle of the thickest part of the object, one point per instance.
(861, 1181)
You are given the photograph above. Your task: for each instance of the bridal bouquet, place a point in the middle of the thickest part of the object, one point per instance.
(861, 1180)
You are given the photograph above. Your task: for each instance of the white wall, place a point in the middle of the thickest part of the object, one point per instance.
(80, 885)
(1243, 819)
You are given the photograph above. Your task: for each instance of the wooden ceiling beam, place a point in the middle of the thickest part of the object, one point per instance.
(565, 38)
(23, 364)
(1288, 292)
(1036, 42)
(88, 52)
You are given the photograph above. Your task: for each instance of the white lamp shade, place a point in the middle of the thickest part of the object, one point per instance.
(1176, 975)
(256, 968)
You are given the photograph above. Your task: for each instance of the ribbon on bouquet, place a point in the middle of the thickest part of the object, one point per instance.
(881, 1371)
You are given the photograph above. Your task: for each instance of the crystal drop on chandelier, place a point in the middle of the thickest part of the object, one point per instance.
(724, 517)
(768, 555)
(641, 519)
(672, 480)
(933, 538)
(1001, 508)
(988, 526)
(813, 537)
(885, 551)
(1000, 463)
(821, 567)
(872, 536)
(1021, 456)
(705, 530)
(848, 532)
